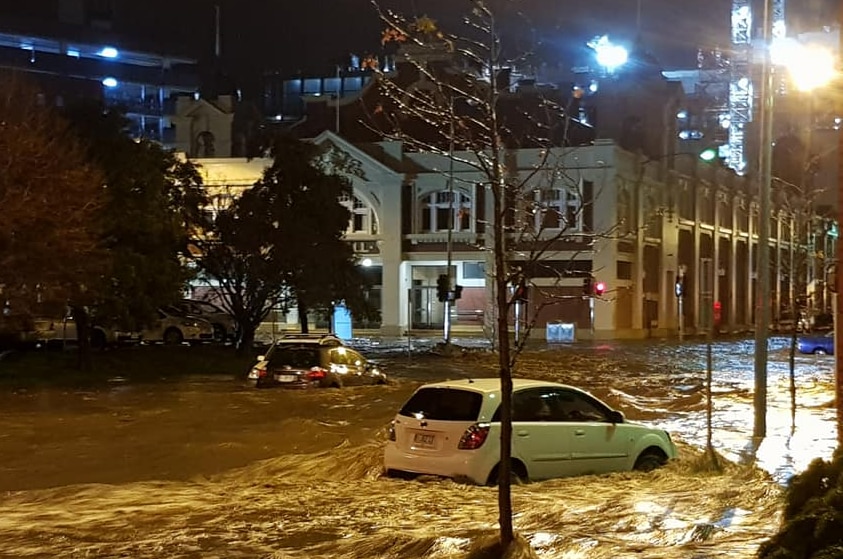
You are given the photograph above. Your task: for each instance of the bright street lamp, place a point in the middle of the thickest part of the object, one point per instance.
(609, 55)
(820, 68)
(809, 66)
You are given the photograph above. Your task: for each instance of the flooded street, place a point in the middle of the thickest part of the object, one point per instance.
(209, 467)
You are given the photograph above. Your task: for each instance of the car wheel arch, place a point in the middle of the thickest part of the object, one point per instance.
(518, 468)
(173, 335)
(650, 458)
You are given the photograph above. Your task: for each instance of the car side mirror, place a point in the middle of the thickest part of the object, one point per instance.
(616, 417)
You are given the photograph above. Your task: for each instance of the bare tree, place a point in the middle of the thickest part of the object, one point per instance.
(458, 104)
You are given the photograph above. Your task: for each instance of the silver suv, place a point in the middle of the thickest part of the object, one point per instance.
(313, 361)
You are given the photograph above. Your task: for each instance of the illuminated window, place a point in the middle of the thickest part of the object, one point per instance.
(363, 219)
(558, 209)
(437, 207)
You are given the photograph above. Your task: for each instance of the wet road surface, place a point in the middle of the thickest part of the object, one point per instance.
(210, 467)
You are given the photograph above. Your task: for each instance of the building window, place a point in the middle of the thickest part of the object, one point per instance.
(362, 220)
(474, 270)
(558, 208)
(436, 207)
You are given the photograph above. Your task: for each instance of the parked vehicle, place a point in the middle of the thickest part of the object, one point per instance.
(175, 327)
(452, 429)
(225, 327)
(61, 331)
(817, 344)
(307, 361)
(820, 322)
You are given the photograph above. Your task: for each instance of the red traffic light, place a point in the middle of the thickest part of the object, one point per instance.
(599, 288)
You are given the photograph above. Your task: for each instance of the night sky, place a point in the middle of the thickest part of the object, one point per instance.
(312, 36)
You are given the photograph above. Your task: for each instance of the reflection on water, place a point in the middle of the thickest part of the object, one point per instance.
(334, 504)
(320, 492)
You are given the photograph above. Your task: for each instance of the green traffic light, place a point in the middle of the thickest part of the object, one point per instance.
(708, 154)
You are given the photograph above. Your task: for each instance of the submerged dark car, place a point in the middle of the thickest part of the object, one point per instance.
(314, 362)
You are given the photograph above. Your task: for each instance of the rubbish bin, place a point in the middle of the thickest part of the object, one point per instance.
(561, 332)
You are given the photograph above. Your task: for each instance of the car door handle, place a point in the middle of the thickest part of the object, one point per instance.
(579, 433)
(523, 434)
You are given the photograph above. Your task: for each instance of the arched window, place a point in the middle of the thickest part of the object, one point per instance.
(437, 207)
(363, 219)
(558, 209)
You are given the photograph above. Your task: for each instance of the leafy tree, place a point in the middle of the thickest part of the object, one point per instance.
(812, 524)
(50, 248)
(153, 202)
(281, 242)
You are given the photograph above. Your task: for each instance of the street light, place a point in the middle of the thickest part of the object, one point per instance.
(762, 315)
(795, 63)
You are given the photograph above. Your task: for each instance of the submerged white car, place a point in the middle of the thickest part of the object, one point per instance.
(452, 429)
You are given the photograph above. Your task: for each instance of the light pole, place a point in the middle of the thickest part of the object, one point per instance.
(820, 68)
(762, 313)
(450, 241)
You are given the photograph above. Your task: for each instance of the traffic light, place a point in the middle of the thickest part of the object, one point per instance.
(521, 294)
(457, 292)
(709, 154)
(587, 286)
(599, 288)
(442, 287)
(679, 288)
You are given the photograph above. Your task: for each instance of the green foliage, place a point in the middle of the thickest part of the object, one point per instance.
(812, 526)
(281, 242)
(153, 199)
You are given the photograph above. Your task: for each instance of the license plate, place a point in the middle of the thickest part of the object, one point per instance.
(424, 440)
(285, 378)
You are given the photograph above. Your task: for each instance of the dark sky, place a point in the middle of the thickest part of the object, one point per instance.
(311, 36)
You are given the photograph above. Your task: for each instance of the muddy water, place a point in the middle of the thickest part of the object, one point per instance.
(209, 467)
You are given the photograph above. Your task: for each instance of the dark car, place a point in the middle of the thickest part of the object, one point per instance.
(818, 344)
(313, 362)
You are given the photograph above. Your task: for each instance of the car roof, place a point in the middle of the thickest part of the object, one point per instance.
(309, 339)
(493, 384)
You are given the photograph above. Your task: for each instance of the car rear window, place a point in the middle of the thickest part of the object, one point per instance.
(299, 357)
(445, 404)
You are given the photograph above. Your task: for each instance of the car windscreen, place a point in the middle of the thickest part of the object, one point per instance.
(446, 404)
(295, 357)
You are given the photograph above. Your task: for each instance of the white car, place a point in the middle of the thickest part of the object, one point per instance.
(53, 331)
(452, 429)
(225, 327)
(174, 327)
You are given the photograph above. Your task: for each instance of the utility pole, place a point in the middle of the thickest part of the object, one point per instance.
(450, 243)
(762, 313)
(838, 313)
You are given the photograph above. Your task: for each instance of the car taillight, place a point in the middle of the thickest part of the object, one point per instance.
(316, 373)
(261, 372)
(474, 436)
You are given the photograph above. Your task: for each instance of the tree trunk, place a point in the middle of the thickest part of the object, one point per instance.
(83, 337)
(247, 338)
(303, 317)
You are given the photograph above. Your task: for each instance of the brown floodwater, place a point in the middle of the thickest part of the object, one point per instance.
(211, 467)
